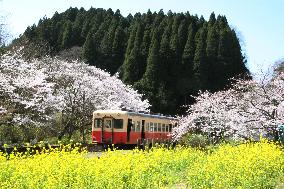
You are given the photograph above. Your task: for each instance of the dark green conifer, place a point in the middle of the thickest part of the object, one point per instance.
(77, 29)
(118, 47)
(150, 81)
(211, 53)
(168, 57)
(67, 36)
(88, 48)
(200, 66)
(131, 67)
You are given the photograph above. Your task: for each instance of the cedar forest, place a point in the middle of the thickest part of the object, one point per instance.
(168, 57)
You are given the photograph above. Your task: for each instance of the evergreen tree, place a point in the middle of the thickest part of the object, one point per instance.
(144, 49)
(174, 40)
(70, 14)
(166, 54)
(131, 67)
(239, 68)
(176, 46)
(223, 57)
(200, 66)
(211, 53)
(156, 23)
(126, 67)
(77, 28)
(30, 32)
(44, 30)
(150, 81)
(174, 66)
(67, 36)
(165, 51)
(212, 20)
(129, 18)
(186, 83)
(106, 46)
(118, 47)
(98, 37)
(56, 33)
(146, 41)
(221, 22)
(201, 21)
(88, 49)
(182, 36)
(86, 26)
(189, 49)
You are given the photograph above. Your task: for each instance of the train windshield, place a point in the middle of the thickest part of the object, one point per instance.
(118, 123)
(107, 123)
(98, 123)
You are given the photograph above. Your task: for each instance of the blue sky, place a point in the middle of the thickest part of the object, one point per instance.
(258, 22)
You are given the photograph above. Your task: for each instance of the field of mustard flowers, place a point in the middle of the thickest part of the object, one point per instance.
(249, 165)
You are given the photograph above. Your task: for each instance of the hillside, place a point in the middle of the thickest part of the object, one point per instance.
(168, 57)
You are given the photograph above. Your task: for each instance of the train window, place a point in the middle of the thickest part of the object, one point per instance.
(155, 127)
(163, 128)
(137, 126)
(167, 128)
(98, 123)
(170, 128)
(147, 127)
(118, 123)
(133, 126)
(159, 127)
(107, 123)
(151, 127)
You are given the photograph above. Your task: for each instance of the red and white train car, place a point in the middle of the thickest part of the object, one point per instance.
(126, 127)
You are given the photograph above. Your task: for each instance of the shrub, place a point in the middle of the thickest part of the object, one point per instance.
(194, 140)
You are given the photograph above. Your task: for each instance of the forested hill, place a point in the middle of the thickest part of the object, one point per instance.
(167, 56)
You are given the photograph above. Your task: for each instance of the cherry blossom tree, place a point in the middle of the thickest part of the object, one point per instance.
(24, 86)
(34, 92)
(248, 110)
(86, 88)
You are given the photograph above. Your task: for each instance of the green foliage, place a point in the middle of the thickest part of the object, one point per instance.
(67, 36)
(131, 66)
(167, 56)
(19, 134)
(195, 140)
(89, 48)
(200, 66)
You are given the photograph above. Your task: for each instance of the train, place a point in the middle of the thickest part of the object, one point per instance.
(124, 127)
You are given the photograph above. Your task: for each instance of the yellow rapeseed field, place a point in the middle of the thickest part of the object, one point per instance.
(250, 165)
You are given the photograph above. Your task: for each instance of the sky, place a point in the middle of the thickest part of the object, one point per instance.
(259, 23)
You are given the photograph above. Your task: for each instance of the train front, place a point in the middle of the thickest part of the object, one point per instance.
(108, 127)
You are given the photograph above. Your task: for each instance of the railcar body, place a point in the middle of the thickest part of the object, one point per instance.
(126, 127)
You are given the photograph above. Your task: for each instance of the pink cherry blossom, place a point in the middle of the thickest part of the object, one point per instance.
(35, 91)
(248, 110)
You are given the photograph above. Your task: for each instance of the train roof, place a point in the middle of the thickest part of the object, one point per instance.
(133, 113)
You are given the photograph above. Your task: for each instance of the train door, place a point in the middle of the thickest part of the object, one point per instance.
(107, 130)
(129, 125)
(143, 130)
